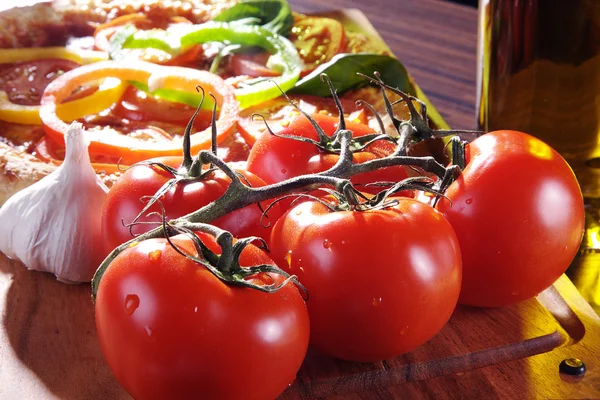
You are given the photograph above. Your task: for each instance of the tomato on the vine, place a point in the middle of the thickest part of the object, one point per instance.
(517, 210)
(279, 110)
(381, 282)
(275, 159)
(169, 329)
(123, 202)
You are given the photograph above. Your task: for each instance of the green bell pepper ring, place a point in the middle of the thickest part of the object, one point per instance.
(284, 56)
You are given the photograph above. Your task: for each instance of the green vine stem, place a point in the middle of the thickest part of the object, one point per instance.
(239, 195)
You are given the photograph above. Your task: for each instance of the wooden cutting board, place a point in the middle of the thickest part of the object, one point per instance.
(49, 350)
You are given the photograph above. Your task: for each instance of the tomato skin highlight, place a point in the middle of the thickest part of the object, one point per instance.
(518, 212)
(123, 204)
(170, 330)
(381, 282)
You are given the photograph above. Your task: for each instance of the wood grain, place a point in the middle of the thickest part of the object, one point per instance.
(436, 40)
(48, 343)
(49, 350)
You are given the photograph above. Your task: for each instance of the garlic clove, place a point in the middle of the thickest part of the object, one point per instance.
(54, 224)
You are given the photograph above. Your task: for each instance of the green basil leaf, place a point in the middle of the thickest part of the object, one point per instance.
(343, 68)
(274, 15)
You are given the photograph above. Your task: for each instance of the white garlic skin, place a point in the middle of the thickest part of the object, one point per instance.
(54, 225)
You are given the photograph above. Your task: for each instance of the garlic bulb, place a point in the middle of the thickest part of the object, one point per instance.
(54, 224)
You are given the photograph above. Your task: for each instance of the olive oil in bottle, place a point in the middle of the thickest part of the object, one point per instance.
(539, 72)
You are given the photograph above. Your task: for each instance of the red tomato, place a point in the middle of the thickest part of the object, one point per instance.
(169, 329)
(279, 109)
(25, 82)
(123, 204)
(518, 212)
(275, 159)
(381, 282)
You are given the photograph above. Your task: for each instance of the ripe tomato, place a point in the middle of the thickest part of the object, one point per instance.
(275, 159)
(381, 282)
(169, 329)
(279, 109)
(518, 212)
(123, 203)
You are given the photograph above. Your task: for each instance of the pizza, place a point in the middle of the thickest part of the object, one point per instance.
(114, 66)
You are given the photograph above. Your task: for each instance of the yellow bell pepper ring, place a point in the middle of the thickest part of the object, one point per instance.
(108, 93)
(9, 56)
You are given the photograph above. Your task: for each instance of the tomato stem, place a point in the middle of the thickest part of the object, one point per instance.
(187, 152)
(239, 195)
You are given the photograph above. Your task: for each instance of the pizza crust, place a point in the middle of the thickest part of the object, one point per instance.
(52, 23)
(19, 170)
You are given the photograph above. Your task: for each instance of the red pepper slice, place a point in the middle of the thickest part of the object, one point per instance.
(133, 148)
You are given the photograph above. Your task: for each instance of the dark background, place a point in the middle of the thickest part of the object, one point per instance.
(472, 3)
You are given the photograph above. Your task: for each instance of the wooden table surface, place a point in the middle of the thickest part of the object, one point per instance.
(435, 39)
(48, 344)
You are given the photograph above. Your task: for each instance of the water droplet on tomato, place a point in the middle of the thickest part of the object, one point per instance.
(132, 302)
(283, 170)
(288, 258)
(327, 243)
(377, 301)
(196, 309)
(148, 331)
(155, 255)
(516, 292)
(404, 331)
(343, 242)
(133, 244)
(469, 201)
(302, 269)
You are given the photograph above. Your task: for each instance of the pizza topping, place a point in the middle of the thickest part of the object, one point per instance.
(274, 15)
(86, 101)
(317, 39)
(54, 224)
(174, 41)
(129, 149)
(103, 40)
(284, 57)
(141, 106)
(77, 55)
(25, 82)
